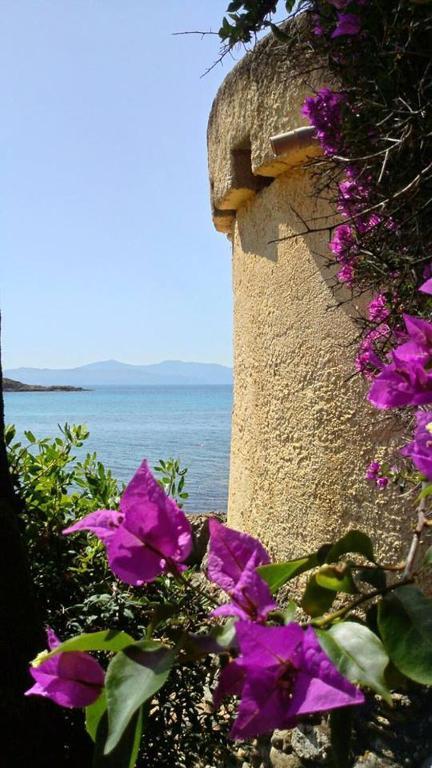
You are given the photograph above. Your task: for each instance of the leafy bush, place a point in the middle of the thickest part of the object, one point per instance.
(77, 591)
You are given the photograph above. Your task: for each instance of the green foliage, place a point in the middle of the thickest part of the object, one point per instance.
(125, 753)
(278, 574)
(79, 595)
(173, 479)
(133, 677)
(317, 599)
(57, 489)
(405, 624)
(358, 654)
(107, 640)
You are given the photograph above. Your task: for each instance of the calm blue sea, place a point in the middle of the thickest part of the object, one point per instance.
(128, 424)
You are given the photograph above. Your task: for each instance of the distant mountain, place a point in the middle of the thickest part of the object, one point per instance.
(112, 372)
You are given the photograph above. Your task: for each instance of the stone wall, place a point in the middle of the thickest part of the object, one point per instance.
(302, 430)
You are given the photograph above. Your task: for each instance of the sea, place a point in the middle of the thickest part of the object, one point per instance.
(128, 424)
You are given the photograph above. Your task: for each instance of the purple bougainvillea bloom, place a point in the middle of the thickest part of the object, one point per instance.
(343, 244)
(366, 223)
(348, 24)
(420, 449)
(382, 482)
(353, 194)
(367, 360)
(103, 523)
(346, 274)
(407, 380)
(427, 286)
(281, 674)
(324, 112)
(149, 536)
(71, 679)
(378, 310)
(372, 470)
(232, 562)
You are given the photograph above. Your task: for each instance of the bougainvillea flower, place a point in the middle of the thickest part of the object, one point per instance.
(346, 274)
(103, 523)
(149, 536)
(232, 561)
(281, 674)
(378, 310)
(427, 286)
(407, 379)
(343, 244)
(347, 24)
(367, 360)
(324, 112)
(420, 449)
(372, 470)
(71, 679)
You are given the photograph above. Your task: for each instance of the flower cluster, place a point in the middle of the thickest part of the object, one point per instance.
(281, 672)
(368, 361)
(149, 536)
(420, 449)
(374, 474)
(324, 111)
(405, 379)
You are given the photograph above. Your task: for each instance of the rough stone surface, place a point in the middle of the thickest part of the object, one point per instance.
(258, 99)
(311, 742)
(281, 740)
(280, 759)
(302, 431)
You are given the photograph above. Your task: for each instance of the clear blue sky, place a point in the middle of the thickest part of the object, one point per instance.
(106, 244)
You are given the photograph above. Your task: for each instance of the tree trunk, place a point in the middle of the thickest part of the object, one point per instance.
(34, 730)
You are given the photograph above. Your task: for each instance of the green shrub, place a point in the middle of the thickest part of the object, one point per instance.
(77, 592)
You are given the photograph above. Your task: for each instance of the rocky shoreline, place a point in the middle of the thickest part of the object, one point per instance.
(10, 385)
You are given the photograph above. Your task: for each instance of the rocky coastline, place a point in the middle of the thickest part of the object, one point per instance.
(10, 385)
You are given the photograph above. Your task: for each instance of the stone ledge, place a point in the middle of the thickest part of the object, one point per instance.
(259, 99)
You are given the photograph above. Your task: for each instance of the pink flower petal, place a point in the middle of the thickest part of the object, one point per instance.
(103, 523)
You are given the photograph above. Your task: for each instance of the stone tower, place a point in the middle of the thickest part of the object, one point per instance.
(302, 430)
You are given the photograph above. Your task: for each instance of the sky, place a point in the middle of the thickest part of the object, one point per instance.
(107, 248)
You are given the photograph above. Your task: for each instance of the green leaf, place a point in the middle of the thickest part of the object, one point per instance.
(427, 560)
(219, 640)
(405, 625)
(353, 541)
(286, 614)
(235, 5)
(358, 654)
(425, 492)
(374, 576)
(125, 754)
(341, 721)
(30, 436)
(93, 714)
(316, 599)
(277, 574)
(107, 640)
(133, 676)
(336, 578)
